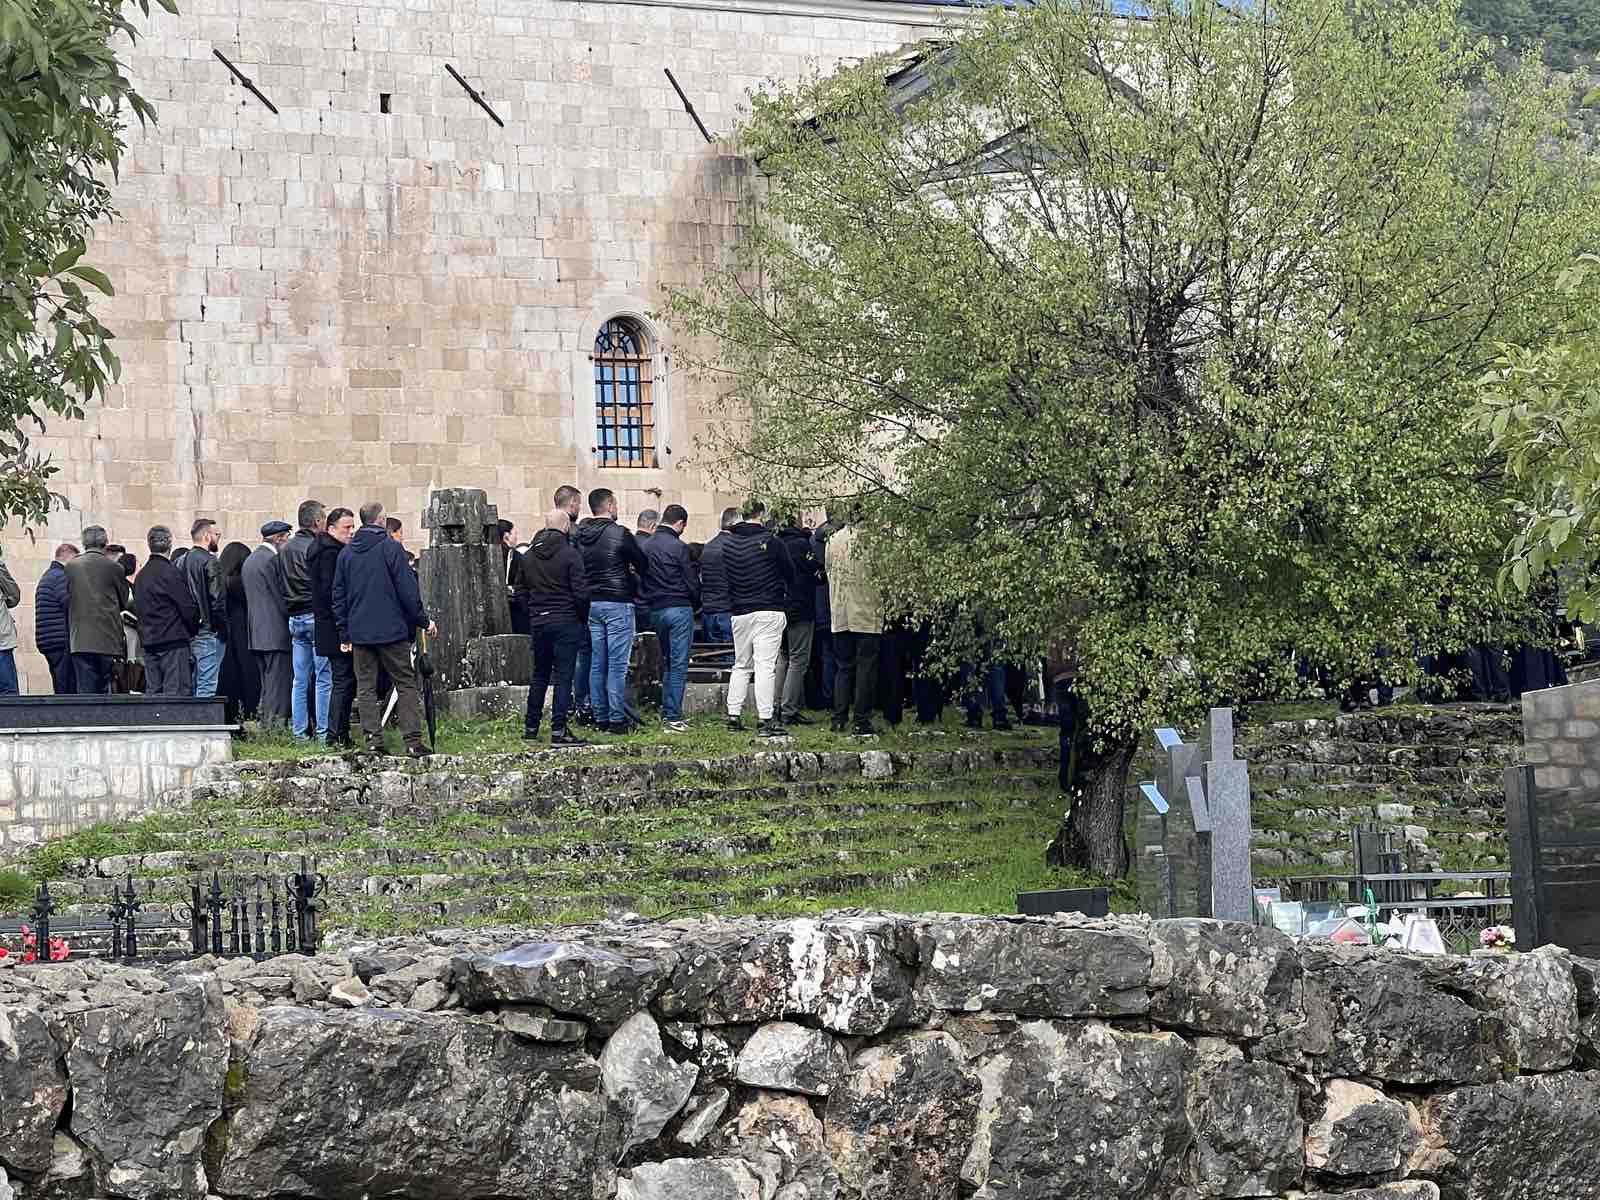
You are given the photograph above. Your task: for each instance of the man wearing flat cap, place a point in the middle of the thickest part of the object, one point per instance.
(266, 596)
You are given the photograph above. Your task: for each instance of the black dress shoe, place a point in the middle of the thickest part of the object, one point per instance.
(798, 718)
(561, 737)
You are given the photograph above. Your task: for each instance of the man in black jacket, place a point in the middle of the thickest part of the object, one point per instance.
(97, 593)
(321, 561)
(570, 501)
(714, 602)
(203, 573)
(800, 616)
(672, 592)
(508, 543)
(612, 561)
(168, 620)
(759, 578)
(555, 592)
(50, 621)
(312, 674)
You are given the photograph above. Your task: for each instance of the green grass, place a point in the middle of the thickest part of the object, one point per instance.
(16, 890)
(708, 737)
(1290, 710)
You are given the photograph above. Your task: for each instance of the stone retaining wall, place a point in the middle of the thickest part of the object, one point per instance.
(845, 1058)
(53, 783)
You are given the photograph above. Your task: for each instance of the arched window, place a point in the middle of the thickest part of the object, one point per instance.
(624, 411)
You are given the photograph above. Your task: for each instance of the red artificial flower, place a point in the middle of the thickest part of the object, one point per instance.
(4, 952)
(30, 956)
(59, 950)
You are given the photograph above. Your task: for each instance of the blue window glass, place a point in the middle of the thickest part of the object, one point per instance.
(625, 427)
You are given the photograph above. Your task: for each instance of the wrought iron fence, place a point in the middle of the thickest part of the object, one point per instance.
(255, 917)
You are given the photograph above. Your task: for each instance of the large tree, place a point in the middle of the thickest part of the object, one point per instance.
(1151, 331)
(64, 101)
(1540, 405)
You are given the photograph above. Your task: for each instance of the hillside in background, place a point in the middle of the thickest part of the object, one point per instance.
(1569, 29)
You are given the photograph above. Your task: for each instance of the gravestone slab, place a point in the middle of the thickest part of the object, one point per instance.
(1195, 858)
(462, 574)
(1553, 820)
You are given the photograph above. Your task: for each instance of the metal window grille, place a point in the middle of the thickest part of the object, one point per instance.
(625, 422)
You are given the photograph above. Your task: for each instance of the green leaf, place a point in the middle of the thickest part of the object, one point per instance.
(66, 258)
(94, 278)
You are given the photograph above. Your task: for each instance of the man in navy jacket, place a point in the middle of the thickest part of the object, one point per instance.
(379, 609)
(50, 621)
(671, 592)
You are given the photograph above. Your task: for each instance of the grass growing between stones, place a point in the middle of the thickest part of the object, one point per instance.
(708, 737)
(719, 833)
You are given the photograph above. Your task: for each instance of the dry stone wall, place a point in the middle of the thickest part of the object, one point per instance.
(861, 1056)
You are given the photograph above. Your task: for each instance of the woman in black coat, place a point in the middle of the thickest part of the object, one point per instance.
(240, 678)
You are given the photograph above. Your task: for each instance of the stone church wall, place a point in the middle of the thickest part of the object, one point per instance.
(345, 303)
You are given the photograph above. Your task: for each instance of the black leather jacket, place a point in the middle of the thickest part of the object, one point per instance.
(296, 573)
(203, 573)
(609, 550)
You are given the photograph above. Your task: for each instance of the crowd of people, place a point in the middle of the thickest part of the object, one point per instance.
(793, 602)
(315, 625)
(312, 623)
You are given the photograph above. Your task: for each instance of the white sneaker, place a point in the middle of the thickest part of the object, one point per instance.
(676, 727)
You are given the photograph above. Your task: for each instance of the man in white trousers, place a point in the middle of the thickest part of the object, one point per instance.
(759, 573)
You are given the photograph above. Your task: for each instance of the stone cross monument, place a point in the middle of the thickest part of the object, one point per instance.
(1195, 856)
(462, 574)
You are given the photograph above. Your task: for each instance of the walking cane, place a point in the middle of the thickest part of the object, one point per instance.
(425, 671)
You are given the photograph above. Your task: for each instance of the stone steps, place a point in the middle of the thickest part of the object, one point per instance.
(402, 844)
(1345, 753)
(505, 809)
(448, 909)
(1483, 777)
(331, 859)
(1433, 777)
(294, 842)
(1410, 724)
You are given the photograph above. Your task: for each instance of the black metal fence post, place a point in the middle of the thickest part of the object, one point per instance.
(261, 916)
(115, 913)
(271, 923)
(131, 905)
(43, 907)
(197, 920)
(303, 893)
(214, 911)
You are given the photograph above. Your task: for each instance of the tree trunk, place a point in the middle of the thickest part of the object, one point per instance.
(1091, 836)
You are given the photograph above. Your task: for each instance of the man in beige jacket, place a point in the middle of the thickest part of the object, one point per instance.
(857, 630)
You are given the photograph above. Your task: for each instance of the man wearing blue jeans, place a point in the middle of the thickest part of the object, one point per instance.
(672, 593)
(613, 564)
(309, 666)
(203, 573)
(982, 684)
(569, 500)
(550, 582)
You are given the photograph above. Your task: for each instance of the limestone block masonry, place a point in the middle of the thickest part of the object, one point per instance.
(377, 290)
(855, 1056)
(53, 783)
